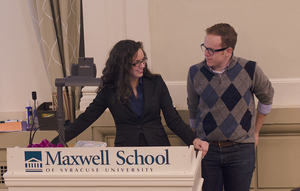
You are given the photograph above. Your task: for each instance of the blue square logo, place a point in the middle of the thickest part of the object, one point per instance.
(33, 161)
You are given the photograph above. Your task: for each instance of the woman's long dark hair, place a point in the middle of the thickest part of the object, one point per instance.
(117, 71)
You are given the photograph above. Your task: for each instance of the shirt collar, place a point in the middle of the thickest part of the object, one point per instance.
(140, 81)
(220, 73)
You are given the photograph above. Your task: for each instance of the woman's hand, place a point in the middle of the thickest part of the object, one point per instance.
(201, 146)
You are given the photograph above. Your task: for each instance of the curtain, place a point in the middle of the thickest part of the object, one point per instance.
(57, 26)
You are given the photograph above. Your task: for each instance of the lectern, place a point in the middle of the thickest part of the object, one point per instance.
(104, 168)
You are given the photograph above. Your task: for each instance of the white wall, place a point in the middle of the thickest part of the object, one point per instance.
(171, 31)
(106, 22)
(268, 32)
(22, 69)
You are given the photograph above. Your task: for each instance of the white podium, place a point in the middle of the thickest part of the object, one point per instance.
(103, 168)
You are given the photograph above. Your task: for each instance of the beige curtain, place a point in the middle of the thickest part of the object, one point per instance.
(57, 27)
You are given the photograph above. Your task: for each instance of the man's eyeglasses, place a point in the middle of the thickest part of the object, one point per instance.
(139, 62)
(211, 51)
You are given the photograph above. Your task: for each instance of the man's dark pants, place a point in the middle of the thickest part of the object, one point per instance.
(231, 166)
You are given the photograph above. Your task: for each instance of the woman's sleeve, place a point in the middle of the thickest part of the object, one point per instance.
(84, 120)
(172, 118)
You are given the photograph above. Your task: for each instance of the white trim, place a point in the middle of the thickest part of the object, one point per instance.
(287, 93)
(286, 80)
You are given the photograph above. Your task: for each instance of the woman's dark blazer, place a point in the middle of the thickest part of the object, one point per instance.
(128, 125)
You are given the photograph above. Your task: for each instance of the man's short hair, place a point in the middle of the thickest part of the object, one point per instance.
(227, 33)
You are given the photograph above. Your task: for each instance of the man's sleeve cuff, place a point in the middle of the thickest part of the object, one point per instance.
(264, 109)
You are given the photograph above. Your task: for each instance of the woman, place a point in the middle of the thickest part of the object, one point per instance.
(135, 98)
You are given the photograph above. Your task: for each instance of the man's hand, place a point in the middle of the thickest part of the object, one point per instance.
(256, 135)
(260, 118)
(201, 146)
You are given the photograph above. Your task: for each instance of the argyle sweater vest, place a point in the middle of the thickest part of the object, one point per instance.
(225, 104)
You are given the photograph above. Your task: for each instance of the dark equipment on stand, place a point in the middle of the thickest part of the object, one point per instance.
(82, 74)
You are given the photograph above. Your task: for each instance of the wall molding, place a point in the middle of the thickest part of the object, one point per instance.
(287, 91)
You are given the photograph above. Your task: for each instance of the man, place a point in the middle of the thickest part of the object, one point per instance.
(221, 93)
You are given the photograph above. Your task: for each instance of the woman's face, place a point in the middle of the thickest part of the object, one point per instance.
(138, 65)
